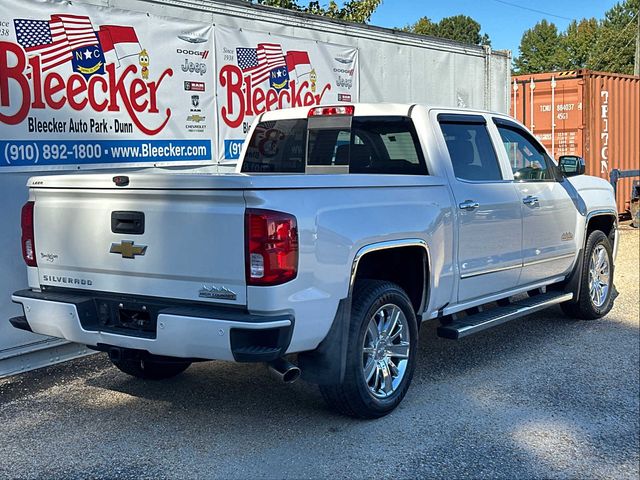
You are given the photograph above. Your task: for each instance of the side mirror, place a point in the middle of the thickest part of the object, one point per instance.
(572, 165)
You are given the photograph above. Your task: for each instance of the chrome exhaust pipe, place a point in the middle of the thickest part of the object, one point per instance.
(284, 370)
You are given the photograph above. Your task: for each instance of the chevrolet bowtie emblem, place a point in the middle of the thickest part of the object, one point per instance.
(128, 249)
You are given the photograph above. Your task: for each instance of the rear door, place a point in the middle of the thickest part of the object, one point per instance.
(170, 243)
(548, 213)
(488, 209)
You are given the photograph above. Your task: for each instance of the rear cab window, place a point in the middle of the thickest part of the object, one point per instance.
(374, 145)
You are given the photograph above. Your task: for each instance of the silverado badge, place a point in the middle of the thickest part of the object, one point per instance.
(128, 249)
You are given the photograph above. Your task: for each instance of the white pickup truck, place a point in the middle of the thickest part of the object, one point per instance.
(342, 231)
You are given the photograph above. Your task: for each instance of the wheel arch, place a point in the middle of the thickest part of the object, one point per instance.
(327, 363)
(603, 220)
(411, 262)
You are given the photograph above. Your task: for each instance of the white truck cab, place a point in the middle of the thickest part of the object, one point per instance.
(343, 228)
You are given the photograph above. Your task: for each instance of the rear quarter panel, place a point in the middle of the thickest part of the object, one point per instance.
(334, 224)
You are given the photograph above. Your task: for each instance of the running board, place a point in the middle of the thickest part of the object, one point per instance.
(496, 316)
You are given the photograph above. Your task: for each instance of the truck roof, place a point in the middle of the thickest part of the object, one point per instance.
(369, 109)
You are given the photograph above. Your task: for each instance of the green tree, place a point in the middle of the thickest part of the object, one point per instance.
(424, 26)
(358, 11)
(578, 44)
(540, 49)
(607, 44)
(614, 49)
(463, 29)
(458, 27)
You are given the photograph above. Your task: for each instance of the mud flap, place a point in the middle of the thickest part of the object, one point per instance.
(572, 283)
(326, 364)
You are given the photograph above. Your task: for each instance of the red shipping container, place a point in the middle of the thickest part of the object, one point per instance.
(595, 115)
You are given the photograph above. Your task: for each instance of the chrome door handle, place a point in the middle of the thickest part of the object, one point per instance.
(530, 200)
(469, 205)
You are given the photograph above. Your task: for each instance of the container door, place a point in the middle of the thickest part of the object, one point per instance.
(548, 213)
(489, 213)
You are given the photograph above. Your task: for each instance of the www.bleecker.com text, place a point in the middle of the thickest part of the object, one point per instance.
(78, 126)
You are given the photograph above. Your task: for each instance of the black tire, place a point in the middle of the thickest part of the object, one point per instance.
(352, 396)
(148, 369)
(584, 307)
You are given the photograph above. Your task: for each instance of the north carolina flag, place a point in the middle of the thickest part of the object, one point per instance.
(119, 42)
(298, 62)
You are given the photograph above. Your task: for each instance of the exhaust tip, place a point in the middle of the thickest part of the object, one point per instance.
(291, 375)
(284, 370)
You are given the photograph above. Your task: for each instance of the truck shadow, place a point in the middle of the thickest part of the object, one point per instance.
(541, 396)
(220, 384)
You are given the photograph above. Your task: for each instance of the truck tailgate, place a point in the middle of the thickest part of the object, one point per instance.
(194, 242)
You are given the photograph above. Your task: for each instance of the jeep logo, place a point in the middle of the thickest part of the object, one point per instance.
(192, 67)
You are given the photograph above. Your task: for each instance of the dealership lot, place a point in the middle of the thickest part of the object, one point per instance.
(540, 397)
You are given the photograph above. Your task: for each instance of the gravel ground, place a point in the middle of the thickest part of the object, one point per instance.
(539, 397)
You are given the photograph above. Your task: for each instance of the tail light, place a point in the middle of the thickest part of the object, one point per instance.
(28, 241)
(330, 111)
(272, 247)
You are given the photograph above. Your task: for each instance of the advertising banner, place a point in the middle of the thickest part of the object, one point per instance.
(83, 85)
(259, 72)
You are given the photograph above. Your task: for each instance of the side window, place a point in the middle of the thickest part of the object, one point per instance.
(528, 160)
(472, 154)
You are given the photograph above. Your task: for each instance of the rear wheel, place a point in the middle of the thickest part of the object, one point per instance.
(596, 283)
(149, 369)
(381, 353)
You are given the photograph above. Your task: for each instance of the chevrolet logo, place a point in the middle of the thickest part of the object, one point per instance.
(127, 249)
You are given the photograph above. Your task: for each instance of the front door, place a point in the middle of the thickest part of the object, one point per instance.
(488, 210)
(548, 214)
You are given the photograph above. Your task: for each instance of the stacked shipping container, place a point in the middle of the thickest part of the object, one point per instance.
(594, 115)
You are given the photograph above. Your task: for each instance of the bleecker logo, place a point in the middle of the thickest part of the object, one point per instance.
(95, 83)
(194, 53)
(292, 81)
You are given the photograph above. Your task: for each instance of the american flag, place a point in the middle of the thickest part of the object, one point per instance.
(258, 62)
(55, 39)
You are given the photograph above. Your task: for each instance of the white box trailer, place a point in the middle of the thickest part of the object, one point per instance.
(394, 66)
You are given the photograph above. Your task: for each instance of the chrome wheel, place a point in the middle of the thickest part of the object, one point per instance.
(385, 350)
(599, 276)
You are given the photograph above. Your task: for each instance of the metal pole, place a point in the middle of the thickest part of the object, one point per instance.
(636, 63)
(553, 117)
(515, 99)
(613, 179)
(532, 86)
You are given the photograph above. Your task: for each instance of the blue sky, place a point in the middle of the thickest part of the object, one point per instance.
(505, 24)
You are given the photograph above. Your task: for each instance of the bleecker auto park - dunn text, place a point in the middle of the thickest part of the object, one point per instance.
(53, 91)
